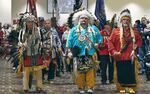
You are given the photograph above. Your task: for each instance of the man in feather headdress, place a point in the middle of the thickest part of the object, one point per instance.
(30, 42)
(123, 44)
(82, 42)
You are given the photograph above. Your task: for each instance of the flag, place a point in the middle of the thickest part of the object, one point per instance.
(32, 7)
(100, 12)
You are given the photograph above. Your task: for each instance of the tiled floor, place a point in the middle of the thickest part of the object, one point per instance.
(11, 84)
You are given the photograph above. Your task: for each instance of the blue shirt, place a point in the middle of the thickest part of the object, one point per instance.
(84, 39)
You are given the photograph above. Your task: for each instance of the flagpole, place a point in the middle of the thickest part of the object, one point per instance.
(27, 6)
(53, 13)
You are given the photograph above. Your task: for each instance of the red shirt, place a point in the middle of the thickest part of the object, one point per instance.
(103, 48)
(115, 45)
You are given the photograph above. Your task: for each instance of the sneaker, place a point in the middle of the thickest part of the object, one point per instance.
(81, 91)
(90, 91)
(51, 82)
(13, 68)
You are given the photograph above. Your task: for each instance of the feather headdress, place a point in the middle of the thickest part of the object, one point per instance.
(74, 17)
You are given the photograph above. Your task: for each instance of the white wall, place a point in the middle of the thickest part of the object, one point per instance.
(19, 6)
(138, 8)
(5, 11)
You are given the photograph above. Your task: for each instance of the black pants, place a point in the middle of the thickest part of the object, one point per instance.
(51, 71)
(69, 67)
(147, 72)
(15, 64)
(60, 66)
(106, 63)
(125, 72)
(44, 71)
